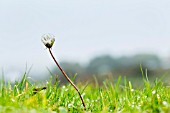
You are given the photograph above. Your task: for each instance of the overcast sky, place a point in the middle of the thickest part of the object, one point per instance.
(83, 29)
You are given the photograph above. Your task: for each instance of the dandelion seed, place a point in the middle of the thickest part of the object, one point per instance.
(48, 40)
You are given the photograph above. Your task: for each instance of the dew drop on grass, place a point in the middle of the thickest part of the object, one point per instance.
(153, 92)
(62, 110)
(64, 87)
(165, 103)
(132, 90)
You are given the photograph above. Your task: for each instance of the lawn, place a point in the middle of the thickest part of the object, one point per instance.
(120, 96)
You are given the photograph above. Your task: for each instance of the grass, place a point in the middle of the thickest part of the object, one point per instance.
(25, 97)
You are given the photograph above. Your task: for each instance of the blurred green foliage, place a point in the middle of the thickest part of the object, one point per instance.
(107, 65)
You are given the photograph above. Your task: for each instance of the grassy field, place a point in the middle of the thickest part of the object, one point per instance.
(119, 96)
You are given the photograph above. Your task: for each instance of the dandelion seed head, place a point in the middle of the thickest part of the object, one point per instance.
(48, 40)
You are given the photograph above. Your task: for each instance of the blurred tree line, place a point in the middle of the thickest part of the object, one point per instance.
(106, 65)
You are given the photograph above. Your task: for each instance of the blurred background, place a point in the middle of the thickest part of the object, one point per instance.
(93, 38)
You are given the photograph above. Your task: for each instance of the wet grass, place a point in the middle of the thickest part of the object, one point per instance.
(25, 97)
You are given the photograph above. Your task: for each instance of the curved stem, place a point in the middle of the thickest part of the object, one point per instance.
(69, 80)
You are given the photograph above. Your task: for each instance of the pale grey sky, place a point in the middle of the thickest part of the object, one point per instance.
(83, 29)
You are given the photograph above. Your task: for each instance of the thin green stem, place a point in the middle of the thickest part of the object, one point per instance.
(69, 80)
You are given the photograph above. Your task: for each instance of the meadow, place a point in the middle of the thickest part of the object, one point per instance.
(112, 96)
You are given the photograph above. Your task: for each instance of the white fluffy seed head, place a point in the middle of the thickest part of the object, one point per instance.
(48, 40)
